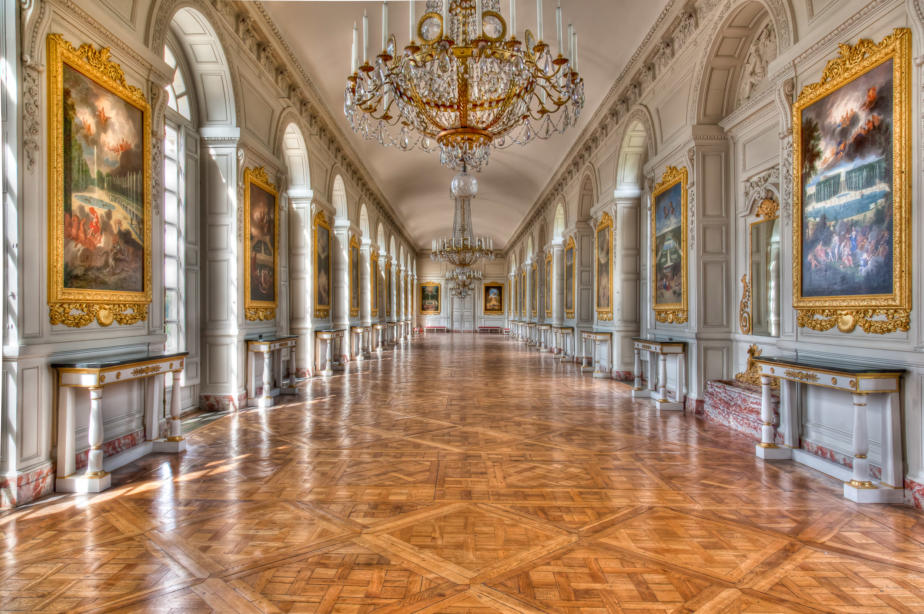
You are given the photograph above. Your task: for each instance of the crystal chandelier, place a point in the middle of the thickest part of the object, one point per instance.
(464, 83)
(462, 281)
(462, 248)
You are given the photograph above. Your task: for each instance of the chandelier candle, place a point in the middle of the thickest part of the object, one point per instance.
(539, 28)
(466, 87)
(561, 49)
(513, 19)
(354, 61)
(411, 21)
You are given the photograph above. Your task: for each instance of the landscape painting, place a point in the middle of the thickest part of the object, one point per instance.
(669, 247)
(494, 299)
(430, 299)
(99, 198)
(852, 191)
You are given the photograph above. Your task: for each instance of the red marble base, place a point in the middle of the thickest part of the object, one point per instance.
(222, 402)
(623, 376)
(27, 487)
(914, 493)
(693, 406)
(114, 446)
(737, 407)
(836, 457)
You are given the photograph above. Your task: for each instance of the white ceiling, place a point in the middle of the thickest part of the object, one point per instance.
(320, 34)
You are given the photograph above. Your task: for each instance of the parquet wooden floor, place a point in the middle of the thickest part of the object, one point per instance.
(463, 475)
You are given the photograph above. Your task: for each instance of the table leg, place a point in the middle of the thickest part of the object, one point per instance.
(861, 475)
(328, 371)
(95, 435)
(176, 429)
(768, 429)
(637, 371)
(662, 378)
(266, 399)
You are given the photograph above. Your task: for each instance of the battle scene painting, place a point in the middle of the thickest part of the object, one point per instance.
(847, 173)
(104, 188)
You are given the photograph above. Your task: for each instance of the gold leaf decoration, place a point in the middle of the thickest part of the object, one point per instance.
(744, 307)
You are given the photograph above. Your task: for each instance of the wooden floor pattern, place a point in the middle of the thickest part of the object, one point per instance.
(463, 475)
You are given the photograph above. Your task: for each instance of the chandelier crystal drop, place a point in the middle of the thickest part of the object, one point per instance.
(462, 248)
(464, 83)
(462, 281)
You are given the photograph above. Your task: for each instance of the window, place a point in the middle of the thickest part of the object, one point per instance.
(174, 242)
(177, 95)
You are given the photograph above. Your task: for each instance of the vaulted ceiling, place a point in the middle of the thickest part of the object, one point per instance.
(320, 34)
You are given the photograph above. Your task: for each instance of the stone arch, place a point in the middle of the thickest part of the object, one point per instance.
(295, 153)
(392, 248)
(587, 197)
(338, 199)
(380, 238)
(364, 223)
(209, 72)
(559, 222)
(530, 248)
(637, 146)
(715, 93)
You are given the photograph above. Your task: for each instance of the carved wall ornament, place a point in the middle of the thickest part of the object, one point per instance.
(769, 208)
(802, 376)
(744, 307)
(31, 118)
(751, 375)
(762, 51)
(851, 303)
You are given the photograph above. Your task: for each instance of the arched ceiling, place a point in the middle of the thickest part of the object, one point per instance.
(320, 34)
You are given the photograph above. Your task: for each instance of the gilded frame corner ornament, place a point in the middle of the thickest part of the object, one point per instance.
(751, 375)
(256, 310)
(874, 314)
(671, 313)
(354, 285)
(604, 314)
(439, 299)
(493, 312)
(320, 221)
(73, 307)
(570, 245)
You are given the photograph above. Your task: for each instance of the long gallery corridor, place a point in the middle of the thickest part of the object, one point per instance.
(457, 476)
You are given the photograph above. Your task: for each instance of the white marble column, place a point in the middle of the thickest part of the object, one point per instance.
(340, 307)
(558, 283)
(223, 377)
(301, 282)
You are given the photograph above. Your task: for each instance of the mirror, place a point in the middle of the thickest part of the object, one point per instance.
(765, 277)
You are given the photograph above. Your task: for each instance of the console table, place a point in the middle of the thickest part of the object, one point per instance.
(595, 338)
(862, 384)
(378, 331)
(357, 335)
(281, 347)
(545, 333)
(93, 374)
(657, 384)
(564, 342)
(328, 337)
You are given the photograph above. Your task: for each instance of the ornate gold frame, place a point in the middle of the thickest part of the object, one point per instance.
(260, 310)
(524, 308)
(72, 307)
(670, 313)
(534, 291)
(548, 285)
(354, 290)
(374, 281)
(322, 311)
(484, 291)
(875, 314)
(388, 288)
(604, 314)
(767, 211)
(439, 302)
(569, 313)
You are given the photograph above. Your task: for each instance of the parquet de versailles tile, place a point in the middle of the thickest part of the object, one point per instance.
(463, 475)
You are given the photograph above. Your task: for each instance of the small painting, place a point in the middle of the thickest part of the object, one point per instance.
(322, 266)
(548, 286)
(534, 290)
(604, 268)
(261, 233)
(570, 278)
(354, 277)
(851, 213)
(669, 247)
(494, 299)
(388, 288)
(374, 282)
(99, 190)
(430, 299)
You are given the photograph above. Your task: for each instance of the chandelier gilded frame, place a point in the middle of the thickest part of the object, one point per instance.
(675, 312)
(873, 313)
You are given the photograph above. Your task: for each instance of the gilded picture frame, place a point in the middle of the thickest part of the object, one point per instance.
(322, 239)
(523, 297)
(431, 298)
(106, 289)
(669, 260)
(493, 299)
(534, 290)
(354, 277)
(851, 169)
(603, 268)
(388, 288)
(548, 285)
(570, 278)
(260, 302)
(374, 282)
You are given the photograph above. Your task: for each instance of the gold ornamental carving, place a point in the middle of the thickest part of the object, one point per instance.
(769, 209)
(752, 374)
(78, 315)
(801, 376)
(146, 370)
(260, 313)
(874, 313)
(744, 307)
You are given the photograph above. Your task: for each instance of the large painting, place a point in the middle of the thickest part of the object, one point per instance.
(99, 190)
(354, 276)
(374, 282)
(669, 247)
(548, 285)
(604, 268)
(493, 299)
(430, 299)
(851, 194)
(322, 266)
(261, 245)
(388, 288)
(534, 290)
(523, 293)
(570, 278)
